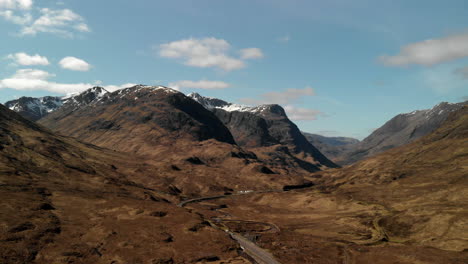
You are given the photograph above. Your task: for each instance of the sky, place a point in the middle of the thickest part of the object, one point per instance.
(338, 67)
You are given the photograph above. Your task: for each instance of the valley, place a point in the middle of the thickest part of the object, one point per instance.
(149, 175)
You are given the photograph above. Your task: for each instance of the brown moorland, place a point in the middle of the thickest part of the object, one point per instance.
(407, 205)
(67, 202)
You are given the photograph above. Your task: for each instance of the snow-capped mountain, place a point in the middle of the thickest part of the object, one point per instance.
(215, 103)
(266, 126)
(37, 108)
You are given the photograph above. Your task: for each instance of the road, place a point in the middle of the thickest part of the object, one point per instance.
(260, 255)
(195, 200)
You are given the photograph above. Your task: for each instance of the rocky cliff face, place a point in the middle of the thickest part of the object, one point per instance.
(266, 126)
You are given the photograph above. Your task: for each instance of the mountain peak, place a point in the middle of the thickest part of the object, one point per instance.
(215, 103)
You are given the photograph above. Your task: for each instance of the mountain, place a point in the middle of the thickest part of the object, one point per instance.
(332, 147)
(406, 205)
(36, 108)
(159, 113)
(400, 130)
(68, 202)
(266, 129)
(421, 182)
(169, 130)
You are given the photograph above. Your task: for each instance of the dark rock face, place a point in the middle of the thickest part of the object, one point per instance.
(248, 129)
(400, 130)
(264, 126)
(35, 108)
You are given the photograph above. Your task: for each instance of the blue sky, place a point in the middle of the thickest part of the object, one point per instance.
(339, 67)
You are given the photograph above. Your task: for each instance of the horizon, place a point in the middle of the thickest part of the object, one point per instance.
(339, 69)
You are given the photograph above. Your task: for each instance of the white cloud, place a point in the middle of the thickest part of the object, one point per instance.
(32, 74)
(203, 84)
(24, 59)
(430, 52)
(203, 53)
(9, 16)
(32, 79)
(16, 4)
(62, 22)
(251, 53)
(287, 96)
(113, 88)
(462, 72)
(74, 64)
(301, 114)
(287, 99)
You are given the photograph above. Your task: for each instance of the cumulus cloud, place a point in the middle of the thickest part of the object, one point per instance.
(202, 53)
(24, 59)
(287, 96)
(74, 64)
(430, 52)
(113, 88)
(32, 74)
(33, 79)
(203, 84)
(62, 22)
(251, 53)
(301, 114)
(16, 4)
(30, 79)
(9, 16)
(462, 72)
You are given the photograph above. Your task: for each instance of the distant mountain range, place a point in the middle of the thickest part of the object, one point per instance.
(400, 130)
(36, 108)
(265, 129)
(332, 147)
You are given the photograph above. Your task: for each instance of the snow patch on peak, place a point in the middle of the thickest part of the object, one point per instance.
(214, 103)
(140, 87)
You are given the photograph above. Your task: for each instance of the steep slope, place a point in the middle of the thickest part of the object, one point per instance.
(400, 130)
(332, 147)
(267, 131)
(67, 202)
(175, 133)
